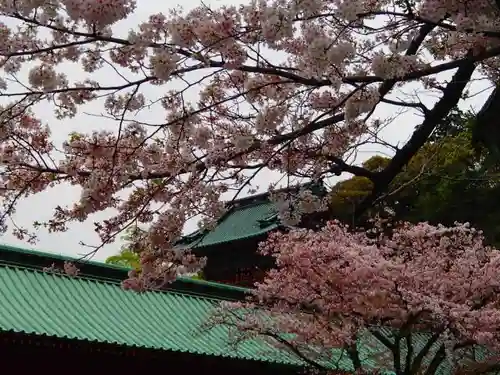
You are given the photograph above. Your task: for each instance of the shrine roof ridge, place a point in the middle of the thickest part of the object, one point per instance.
(100, 271)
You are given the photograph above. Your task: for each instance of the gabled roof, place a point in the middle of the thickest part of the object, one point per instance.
(99, 310)
(248, 217)
(241, 222)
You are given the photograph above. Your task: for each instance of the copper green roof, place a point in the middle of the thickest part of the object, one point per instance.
(83, 308)
(240, 223)
(249, 217)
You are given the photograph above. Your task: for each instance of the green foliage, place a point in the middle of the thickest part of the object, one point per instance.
(199, 276)
(447, 181)
(131, 259)
(125, 258)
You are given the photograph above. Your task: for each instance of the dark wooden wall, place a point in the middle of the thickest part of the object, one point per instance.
(24, 354)
(236, 263)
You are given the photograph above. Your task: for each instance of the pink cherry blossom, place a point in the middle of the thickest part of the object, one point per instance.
(98, 12)
(279, 85)
(332, 285)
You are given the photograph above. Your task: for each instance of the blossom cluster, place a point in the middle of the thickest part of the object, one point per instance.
(330, 286)
(287, 85)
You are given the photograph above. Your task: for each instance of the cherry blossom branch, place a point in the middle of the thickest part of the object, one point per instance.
(415, 44)
(436, 361)
(451, 95)
(416, 363)
(277, 71)
(428, 22)
(48, 49)
(228, 110)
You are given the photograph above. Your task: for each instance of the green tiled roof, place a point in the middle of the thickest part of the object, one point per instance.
(239, 223)
(39, 303)
(246, 218)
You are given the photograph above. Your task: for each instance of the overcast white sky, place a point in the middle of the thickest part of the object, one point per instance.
(41, 206)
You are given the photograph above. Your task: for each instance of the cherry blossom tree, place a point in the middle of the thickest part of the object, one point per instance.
(289, 86)
(419, 299)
